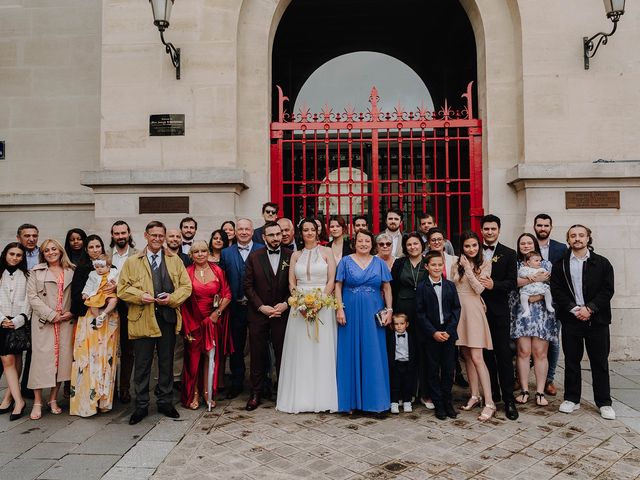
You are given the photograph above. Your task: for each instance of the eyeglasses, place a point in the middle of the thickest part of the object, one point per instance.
(270, 212)
(385, 244)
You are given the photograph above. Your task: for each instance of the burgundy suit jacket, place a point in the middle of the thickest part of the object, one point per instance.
(262, 286)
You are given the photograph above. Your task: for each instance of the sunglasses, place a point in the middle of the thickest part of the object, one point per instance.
(271, 212)
(385, 244)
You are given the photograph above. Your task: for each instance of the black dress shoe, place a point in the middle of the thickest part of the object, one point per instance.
(450, 411)
(441, 414)
(510, 410)
(8, 409)
(15, 416)
(168, 411)
(138, 415)
(233, 392)
(253, 402)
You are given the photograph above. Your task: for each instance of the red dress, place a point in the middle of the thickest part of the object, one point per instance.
(197, 325)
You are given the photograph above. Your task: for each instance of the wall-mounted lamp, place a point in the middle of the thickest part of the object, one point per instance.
(615, 9)
(161, 13)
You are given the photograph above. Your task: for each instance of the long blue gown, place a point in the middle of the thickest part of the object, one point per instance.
(362, 368)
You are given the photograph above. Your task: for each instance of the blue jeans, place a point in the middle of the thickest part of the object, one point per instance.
(552, 355)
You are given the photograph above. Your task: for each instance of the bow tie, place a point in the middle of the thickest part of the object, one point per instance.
(488, 247)
(401, 335)
(274, 252)
(437, 284)
(246, 249)
(187, 243)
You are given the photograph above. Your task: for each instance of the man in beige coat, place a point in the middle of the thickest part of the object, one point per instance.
(154, 283)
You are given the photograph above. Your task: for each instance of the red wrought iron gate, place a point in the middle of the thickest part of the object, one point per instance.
(363, 163)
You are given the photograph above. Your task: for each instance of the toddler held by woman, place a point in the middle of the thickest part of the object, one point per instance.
(94, 295)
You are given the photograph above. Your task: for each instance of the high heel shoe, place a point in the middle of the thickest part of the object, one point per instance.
(211, 404)
(487, 412)
(15, 416)
(36, 416)
(8, 409)
(474, 401)
(54, 408)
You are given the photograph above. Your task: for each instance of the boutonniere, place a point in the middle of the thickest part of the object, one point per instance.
(496, 258)
(284, 265)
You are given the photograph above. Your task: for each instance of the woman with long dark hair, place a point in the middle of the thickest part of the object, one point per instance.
(229, 227)
(473, 329)
(217, 242)
(15, 313)
(340, 243)
(74, 244)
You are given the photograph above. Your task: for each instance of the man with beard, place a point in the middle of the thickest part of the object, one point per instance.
(175, 244)
(122, 247)
(188, 229)
(393, 221)
(582, 286)
(552, 251)
(359, 223)
(288, 237)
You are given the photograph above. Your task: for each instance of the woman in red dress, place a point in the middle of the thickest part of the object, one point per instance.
(205, 325)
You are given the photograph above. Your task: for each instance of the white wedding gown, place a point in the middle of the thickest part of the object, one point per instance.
(307, 380)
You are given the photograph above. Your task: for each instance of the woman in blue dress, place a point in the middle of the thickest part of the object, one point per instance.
(362, 286)
(533, 332)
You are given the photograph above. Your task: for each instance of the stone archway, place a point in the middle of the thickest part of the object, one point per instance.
(497, 30)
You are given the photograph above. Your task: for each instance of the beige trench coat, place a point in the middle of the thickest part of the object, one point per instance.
(42, 292)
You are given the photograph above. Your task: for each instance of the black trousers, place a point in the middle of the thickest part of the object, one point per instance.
(144, 348)
(239, 337)
(575, 337)
(500, 360)
(126, 348)
(441, 362)
(402, 385)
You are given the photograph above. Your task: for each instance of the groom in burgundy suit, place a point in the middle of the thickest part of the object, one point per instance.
(266, 285)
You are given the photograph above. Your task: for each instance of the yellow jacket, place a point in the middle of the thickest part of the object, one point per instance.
(135, 280)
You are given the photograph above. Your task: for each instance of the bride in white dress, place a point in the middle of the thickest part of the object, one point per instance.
(307, 380)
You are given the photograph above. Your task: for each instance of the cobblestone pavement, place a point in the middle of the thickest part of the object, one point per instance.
(232, 443)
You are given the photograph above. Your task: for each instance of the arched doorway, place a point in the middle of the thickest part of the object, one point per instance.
(412, 157)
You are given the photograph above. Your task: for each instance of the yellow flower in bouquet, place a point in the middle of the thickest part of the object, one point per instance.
(309, 303)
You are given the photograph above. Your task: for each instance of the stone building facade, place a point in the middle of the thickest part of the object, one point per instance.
(79, 79)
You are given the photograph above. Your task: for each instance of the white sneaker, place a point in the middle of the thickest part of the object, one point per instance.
(428, 403)
(395, 407)
(406, 406)
(606, 412)
(569, 407)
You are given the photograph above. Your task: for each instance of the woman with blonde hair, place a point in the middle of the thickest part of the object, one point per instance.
(49, 292)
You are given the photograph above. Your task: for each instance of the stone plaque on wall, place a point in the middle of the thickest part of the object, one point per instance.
(594, 199)
(163, 205)
(166, 125)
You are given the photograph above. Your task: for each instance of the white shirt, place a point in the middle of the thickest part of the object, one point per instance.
(245, 253)
(274, 260)
(118, 260)
(185, 248)
(33, 258)
(544, 250)
(575, 266)
(402, 347)
(438, 290)
(488, 253)
(150, 254)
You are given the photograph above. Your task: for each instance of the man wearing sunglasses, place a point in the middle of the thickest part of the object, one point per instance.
(269, 214)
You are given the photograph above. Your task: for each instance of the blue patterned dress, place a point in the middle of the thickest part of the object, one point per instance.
(362, 368)
(541, 323)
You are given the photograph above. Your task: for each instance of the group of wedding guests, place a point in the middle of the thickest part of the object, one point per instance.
(405, 307)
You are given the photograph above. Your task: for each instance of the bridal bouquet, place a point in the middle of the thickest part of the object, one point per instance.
(309, 303)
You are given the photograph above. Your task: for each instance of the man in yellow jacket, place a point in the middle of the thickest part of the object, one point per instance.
(154, 283)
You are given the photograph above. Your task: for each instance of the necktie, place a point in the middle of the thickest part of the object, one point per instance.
(187, 243)
(274, 252)
(488, 247)
(437, 284)
(400, 335)
(154, 262)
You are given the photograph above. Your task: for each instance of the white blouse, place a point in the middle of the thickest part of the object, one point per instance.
(13, 297)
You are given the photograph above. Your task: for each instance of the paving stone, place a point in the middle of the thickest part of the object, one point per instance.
(24, 469)
(85, 467)
(146, 454)
(50, 450)
(114, 439)
(128, 473)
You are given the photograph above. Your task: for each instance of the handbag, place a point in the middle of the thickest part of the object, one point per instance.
(380, 316)
(16, 340)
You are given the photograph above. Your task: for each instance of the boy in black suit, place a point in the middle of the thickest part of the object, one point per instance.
(402, 363)
(438, 313)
